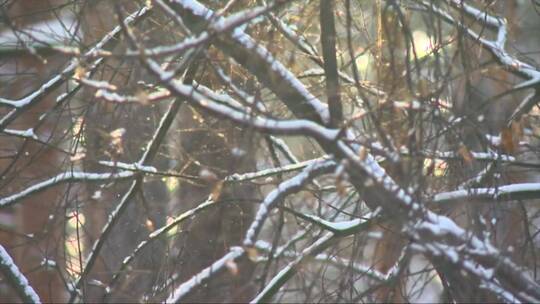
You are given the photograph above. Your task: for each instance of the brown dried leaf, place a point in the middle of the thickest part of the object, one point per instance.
(79, 73)
(117, 133)
(362, 153)
(465, 154)
(208, 176)
(232, 267)
(150, 225)
(508, 141)
(517, 131)
(252, 254)
(116, 143)
(142, 97)
(429, 167)
(340, 187)
(77, 156)
(216, 191)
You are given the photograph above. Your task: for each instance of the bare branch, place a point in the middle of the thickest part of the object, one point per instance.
(328, 41)
(16, 279)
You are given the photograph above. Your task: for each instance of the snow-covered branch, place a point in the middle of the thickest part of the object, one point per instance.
(342, 263)
(288, 271)
(338, 228)
(157, 234)
(137, 167)
(273, 126)
(262, 64)
(149, 154)
(20, 105)
(141, 98)
(445, 231)
(203, 206)
(496, 48)
(341, 229)
(66, 177)
(387, 193)
(520, 191)
(206, 274)
(287, 187)
(272, 171)
(16, 279)
(284, 148)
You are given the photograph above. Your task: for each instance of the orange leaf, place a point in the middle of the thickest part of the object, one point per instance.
(232, 267)
(216, 191)
(508, 141)
(362, 153)
(517, 131)
(466, 154)
(150, 225)
(340, 187)
(252, 253)
(79, 73)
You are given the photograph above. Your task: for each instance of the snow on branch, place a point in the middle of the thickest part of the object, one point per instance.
(286, 127)
(249, 100)
(26, 134)
(497, 49)
(501, 193)
(443, 240)
(431, 226)
(157, 234)
(235, 177)
(272, 171)
(341, 262)
(368, 166)
(214, 28)
(203, 276)
(338, 228)
(228, 100)
(284, 148)
(262, 64)
(287, 187)
(66, 177)
(35, 97)
(288, 271)
(394, 197)
(16, 279)
(149, 154)
(482, 156)
(145, 169)
(44, 34)
(203, 206)
(141, 99)
(39, 93)
(366, 173)
(298, 40)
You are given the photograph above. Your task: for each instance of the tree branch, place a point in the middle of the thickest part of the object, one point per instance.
(328, 41)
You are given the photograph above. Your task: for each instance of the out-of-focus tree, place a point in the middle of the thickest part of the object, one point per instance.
(250, 150)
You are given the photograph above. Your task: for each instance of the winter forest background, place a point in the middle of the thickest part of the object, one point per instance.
(269, 151)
